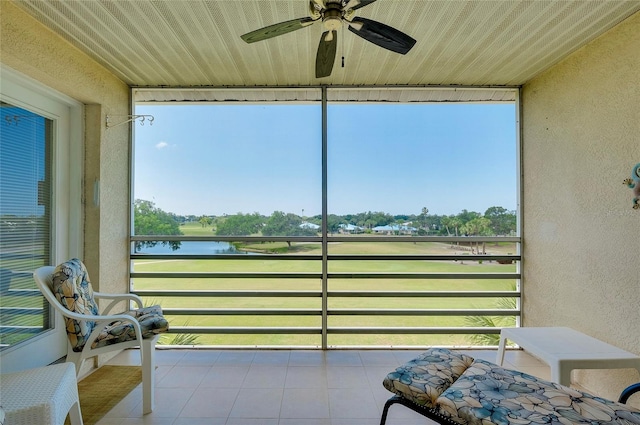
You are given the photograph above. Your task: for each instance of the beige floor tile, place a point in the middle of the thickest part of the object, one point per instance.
(343, 358)
(308, 403)
(148, 420)
(169, 402)
(265, 377)
(271, 357)
(279, 387)
(299, 421)
(378, 358)
(353, 403)
(200, 421)
(307, 358)
(183, 377)
(224, 377)
(250, 421)
(110, 421)
(306, 377)
(346, 377)
(257, 403)
(235, 358)
(200, 358)
(168, 357)
(210, 403)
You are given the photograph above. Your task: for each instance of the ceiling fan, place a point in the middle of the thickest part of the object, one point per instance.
(333, 13)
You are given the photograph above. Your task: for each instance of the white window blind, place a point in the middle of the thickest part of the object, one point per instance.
(25, 221)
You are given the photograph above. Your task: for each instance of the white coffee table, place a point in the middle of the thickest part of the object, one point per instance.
(565, 349)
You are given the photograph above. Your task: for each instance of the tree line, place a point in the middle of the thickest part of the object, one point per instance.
(495, 221)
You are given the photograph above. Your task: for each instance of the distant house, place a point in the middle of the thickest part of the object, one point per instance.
(350, 228)
(307, 225)
(395, 228)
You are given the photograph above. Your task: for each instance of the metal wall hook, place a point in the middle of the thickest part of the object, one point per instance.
(15, 119)
(129, 118)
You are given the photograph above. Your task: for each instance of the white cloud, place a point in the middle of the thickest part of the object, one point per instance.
(162, 145)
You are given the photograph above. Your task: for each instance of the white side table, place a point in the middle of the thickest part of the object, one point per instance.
(41, 396)
(565, 349)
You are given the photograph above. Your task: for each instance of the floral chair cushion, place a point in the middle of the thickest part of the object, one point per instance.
(488, 394)
(72, 288)
(151, 320)
(424, 378)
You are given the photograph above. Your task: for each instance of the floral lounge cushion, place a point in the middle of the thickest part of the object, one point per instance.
(72, 288)
(424, 378)
(488, 394)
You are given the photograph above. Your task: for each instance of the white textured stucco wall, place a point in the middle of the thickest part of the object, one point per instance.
(31, 49)
(581, 138)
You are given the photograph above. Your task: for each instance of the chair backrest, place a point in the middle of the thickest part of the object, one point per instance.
(67, 286)
(44, 279)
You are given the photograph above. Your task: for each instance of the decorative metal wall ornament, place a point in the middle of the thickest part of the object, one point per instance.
(634, 184)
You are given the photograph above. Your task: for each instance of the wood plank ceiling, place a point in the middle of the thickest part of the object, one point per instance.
(196, 43)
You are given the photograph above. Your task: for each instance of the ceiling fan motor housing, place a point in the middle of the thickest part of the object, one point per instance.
(332, 17)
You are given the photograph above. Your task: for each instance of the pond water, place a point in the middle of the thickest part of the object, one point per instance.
(193, 247)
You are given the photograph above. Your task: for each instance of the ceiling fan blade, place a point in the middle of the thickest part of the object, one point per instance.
(277, 29)
(357, 4)
(326, 53)
(382, 35)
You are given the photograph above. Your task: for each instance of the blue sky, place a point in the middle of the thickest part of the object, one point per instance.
(395, 158)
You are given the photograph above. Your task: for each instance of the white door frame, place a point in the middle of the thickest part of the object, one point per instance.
(67, 231)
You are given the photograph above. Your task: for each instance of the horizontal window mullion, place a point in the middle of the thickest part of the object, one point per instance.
(427, 257)
(416, 330)
(346, 257)
(351, 275)
(213, 294)
(470, 276)
(420, 312)
(180, 238)
(429, 294)
(334, 312)
(246, 330)
(412, 239)
(243, 257)
(363, 294)
(239, 312)
(224, 275)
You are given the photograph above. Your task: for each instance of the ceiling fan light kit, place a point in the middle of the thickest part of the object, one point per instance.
(333, 13)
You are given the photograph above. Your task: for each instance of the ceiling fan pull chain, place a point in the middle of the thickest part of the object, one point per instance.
(343, 45)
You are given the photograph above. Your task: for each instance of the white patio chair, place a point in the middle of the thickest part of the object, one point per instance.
(90, 333)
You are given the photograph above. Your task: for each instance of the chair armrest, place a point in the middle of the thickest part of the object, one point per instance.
(102, 321)
(628, 392)
(116, 299)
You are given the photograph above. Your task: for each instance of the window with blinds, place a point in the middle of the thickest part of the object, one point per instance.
(25, 221)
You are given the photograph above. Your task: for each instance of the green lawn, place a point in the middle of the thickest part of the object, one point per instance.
(196, 229)
(284, 266)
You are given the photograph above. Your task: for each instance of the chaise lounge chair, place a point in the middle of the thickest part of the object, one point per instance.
(456, 389)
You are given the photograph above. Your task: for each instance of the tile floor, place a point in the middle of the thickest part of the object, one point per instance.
(277, 387)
